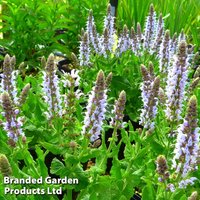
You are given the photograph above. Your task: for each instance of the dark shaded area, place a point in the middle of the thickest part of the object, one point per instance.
(63, 65)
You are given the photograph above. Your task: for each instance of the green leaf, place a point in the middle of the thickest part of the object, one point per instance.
(58, 125)
(72, 159)
(57, 167)
(123, 197)
(148, 192)
(116, 169)
(157, 147)
(55, 149)
(178, 194)
(41, 162)
(184, 197)
(4, 148)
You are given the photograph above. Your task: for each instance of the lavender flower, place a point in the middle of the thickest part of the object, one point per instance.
(193, 85)
(108, 80)
(186, 182)
(90, 23)
(117, 120)
(181, 37)
(95, 40)
(8, 83)
(158, 34)
(176, 83)
(150, 28)
(134, 41)
(84, 50)
(186, 149)
(93, 36)
(150, 89)
(162, 168)
(96, 108)
(173, 45)
(106, 42)
(123, 42)
(105, 45)
(164, 54)
(51, 89)
(109, 25)
(24, 94)
(71, 81)
(139, 34)
(171, 187)
(13, 124)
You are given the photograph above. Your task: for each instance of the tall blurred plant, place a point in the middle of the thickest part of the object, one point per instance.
(177, 14)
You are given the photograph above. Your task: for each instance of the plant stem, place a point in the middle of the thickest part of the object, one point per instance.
(69, 194)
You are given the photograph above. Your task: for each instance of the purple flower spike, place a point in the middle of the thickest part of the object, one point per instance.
(96, 109)
(13, 124)
(187, 147)
(84, 50)
(150, 90)
(176, 83)
(51, 89)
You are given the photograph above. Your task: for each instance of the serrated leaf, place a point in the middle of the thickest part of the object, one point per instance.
(116, 169)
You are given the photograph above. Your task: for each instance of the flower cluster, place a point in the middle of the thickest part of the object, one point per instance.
(152, 40)
(162, 168)
(109, 28)
(84, 50)
(186, 150)
(96, 108)
(164, 54)
(51, 89)
(24, 94)
(158, 35)
(71, 82)
(8, 83)
(10, 101)
(117, 120)
(124, 42)
(150, 90)
(134, 43)
(89, 25)
(176, 83)
(150, 28)
(13, 124)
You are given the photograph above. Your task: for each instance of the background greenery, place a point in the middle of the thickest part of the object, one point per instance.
(36, 28)
(178, 15)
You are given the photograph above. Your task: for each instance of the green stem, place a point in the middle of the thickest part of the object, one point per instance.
(26, 159)
(69, 194)
(114, 135)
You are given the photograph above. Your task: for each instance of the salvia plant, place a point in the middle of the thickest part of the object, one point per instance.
(72, 135)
